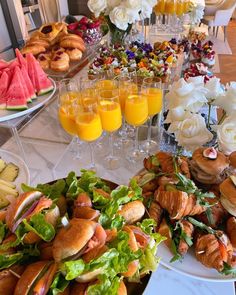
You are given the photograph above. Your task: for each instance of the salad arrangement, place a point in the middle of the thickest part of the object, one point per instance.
(77, 235)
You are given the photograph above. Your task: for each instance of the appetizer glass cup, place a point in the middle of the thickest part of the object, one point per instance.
(88, 125)
(136, 114)
(111, 118)
(152, 90)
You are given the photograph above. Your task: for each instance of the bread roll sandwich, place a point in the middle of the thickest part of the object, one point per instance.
(209, 165)
(228, 194)
(36, 214)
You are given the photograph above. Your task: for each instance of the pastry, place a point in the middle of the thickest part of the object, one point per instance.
(60, 64)
(38, 42)
(74, 54)
(208, 165)
(69, 42)
(49, 31)
(44, 61)
(57, 48)
(228, 194)
(34, 49)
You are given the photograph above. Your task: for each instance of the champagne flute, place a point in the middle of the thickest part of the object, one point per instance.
(88, 126)
(111, 118)
(151, 89)
(136, 114)
(68, 93)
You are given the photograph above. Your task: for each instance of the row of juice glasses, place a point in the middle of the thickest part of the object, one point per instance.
(173, 9)
(97, 106)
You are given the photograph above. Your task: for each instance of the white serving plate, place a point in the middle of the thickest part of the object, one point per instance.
(34, 105)
(24, 175)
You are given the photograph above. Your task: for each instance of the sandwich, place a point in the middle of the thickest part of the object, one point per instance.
(77, 238)
(36, 279)
(209, 166)
(228, 194)
(33, 216)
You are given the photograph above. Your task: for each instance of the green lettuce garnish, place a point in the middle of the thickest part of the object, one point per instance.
(7, 260)
(58, 285)
(106, 286)
(38, 225)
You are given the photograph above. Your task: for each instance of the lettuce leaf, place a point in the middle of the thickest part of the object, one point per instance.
(38, 225)
(119, 196)
(58, 285)
(105, 286)
(2, 231)
(73, 268)
(99, 200)
(8, 260)
(53, 191)
(88, 180)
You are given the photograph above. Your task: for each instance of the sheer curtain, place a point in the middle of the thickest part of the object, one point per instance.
(50, 10)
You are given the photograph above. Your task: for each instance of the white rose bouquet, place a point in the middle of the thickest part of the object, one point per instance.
(121, 14)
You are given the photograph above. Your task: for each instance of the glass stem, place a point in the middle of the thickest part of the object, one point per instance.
(91, 154)
(136, 145)
(111, 144)
(149, 129)
(209, 115)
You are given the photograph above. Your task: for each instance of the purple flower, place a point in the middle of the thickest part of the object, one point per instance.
(130, 54)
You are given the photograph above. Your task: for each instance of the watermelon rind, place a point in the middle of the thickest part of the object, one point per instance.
(17, 108)
(46, 90)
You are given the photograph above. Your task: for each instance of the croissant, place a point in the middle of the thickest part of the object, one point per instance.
(155, 212)
(178, 203)
(212, 252)
(165, 231)
(231, 230)
(188, 228)
(164, 162)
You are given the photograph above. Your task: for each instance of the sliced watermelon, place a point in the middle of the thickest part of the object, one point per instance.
(23, 84)
(3, 64)
(20, 58)
(16, 99)
(41, 82)
(31, 71)
(13, 64)
(4, 82)
(28, 83)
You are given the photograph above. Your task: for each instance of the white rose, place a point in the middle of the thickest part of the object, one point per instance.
(111, 4)
(133, 15)
(214, 88)
(227, 101)
(146, 10)
(176, 114)
(197, 81)
(136, 4)
(187, 95)
(151, 3)
(119, 17)
(226, 134)
(97, 6)
(192, 132)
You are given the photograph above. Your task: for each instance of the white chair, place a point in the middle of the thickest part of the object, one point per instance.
(221, 17)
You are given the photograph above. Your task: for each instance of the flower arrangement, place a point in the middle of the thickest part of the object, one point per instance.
(121, 14)
(187, 101)
(197, 11)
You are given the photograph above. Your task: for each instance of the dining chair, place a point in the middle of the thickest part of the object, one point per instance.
(221, 17)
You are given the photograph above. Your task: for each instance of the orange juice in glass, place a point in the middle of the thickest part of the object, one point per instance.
(170, 7)
(106, 84)
(136, 110)
(66, 117)
(186, 5)
(88, 127)
(111, 118)
(179, 8)
(154, 98)
(159, 8)
(151, 88)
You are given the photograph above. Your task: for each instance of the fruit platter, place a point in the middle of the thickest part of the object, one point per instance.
(24, 86)
(75, 235)
(192, 201)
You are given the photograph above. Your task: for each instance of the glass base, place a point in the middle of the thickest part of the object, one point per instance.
(112, 162)
(135, 156)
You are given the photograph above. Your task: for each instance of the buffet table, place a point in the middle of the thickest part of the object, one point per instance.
(44, 143)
